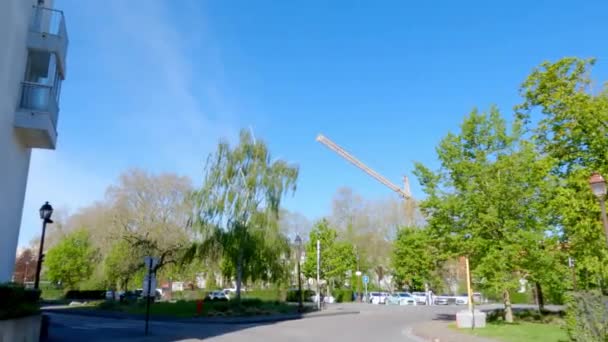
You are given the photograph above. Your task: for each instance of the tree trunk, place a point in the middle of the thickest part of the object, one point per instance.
(239, 276)
(540, 298)
(508, 309)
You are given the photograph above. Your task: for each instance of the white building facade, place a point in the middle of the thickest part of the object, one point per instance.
(33, 49)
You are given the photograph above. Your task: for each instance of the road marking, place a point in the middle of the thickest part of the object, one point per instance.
(407, 332)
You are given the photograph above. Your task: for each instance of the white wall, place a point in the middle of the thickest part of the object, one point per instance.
(14, 157)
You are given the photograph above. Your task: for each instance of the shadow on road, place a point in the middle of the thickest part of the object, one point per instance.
(77, 327)
(445, 317)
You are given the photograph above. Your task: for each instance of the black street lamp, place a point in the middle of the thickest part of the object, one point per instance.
(298, 242)
(598, 187)
(45, 215)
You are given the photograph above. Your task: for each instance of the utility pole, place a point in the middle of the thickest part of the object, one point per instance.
(318, 276)
(469, 293)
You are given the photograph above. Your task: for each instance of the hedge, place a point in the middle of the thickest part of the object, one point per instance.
(17, 301)
(587, 316)
(343, 295)
(86, 295)
(293, 295)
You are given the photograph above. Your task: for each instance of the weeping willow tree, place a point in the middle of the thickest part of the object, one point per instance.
(237, 210)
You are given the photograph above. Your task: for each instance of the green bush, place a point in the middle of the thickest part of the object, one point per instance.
(587, 316)
(293, 295)
(343, 295)
(16, 301)
(271, 294)
(521, 298)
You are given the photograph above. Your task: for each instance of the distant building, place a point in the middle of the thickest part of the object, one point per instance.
(34, 45)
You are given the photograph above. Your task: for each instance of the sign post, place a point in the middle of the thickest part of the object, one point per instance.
(365, 281)
(149, 285)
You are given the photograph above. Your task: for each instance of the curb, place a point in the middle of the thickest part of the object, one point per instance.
(236, 320)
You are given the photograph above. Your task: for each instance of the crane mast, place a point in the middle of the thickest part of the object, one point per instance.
(405, 192)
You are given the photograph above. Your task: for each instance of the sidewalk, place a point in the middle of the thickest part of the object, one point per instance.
(438, 331)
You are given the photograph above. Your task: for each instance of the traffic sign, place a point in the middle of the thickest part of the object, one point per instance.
(151, 263)
(365, 279)
(149, 288)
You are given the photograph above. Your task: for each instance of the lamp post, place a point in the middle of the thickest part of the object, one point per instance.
(45, 215)
(298, 242)
(598, 187)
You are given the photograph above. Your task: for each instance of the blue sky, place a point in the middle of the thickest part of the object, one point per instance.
(154, 84)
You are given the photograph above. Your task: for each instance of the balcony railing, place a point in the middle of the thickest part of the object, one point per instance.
(49, 21)
(40, 98)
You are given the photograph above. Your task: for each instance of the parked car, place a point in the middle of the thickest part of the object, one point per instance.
(420, 297)
(128, 296)
(326, 299)
(444, 299)
(378, 297)
(400, 298)
(463, 299)
(218, 295)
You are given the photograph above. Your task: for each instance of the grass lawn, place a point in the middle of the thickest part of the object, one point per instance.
(51, 293)
(520, 332)
(186, 309)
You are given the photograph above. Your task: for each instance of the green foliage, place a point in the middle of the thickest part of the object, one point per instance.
(414, 258)
(572, 130)
(587, 316)
(489, 199)
(520, 332)
(121, 263)
(266, 295)
(337, 257)
(71, 260)
(16, 301)
(343, 295)
(246, 307)
(237, 210)
(293, 295)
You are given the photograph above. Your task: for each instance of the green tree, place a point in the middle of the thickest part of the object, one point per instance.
(489, 200)
(237, 209)
(152, 214)
(122, 263)
(569, 119)
(415, 259)
(71, 260)
(337, 257)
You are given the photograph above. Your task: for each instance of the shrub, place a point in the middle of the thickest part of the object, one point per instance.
(520, 298)
(293, 295)
(273, 294)
(587, 316)
(86, 295)
(343, 295)
(16, 301)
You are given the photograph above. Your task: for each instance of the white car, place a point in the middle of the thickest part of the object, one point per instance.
(326, 299)
(462, 299)
(420, 297)
(218, 295)
(378, 297)
(444, 299)
(400, 298)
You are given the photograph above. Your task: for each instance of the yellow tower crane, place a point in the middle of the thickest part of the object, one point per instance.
(410, 207)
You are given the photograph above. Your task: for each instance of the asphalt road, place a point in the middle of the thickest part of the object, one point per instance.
(374, 323)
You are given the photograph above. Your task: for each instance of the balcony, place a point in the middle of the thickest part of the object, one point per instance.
(36, 117)
(47, 32)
